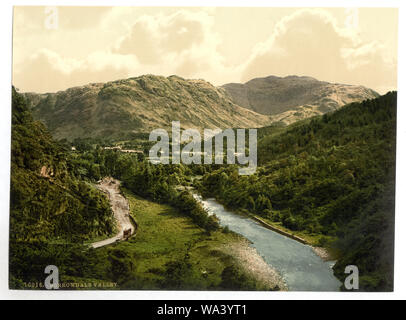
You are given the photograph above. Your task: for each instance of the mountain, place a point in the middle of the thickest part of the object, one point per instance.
(329, 179)
(293, 98)
(119, 109)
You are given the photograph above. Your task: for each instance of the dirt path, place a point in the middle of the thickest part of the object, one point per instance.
(121, 210)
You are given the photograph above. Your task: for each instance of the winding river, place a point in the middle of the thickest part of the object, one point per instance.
(297, 263)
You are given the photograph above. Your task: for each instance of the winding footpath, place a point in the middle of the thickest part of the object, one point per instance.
(121, 210)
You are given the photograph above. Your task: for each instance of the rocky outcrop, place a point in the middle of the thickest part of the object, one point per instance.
(294, 98)
(121, 108)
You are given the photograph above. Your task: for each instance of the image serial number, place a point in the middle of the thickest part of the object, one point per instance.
(223, 309)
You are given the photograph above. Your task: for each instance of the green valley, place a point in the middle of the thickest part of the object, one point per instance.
(328, 179)
(56, 211)
(157, 149)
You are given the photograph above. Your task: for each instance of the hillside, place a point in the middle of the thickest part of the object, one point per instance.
(119, 109)
(293, 98)
(330, 179)
(48, 204)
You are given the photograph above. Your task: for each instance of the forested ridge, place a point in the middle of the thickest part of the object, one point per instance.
(332, 177)
(48, 204)
(47, 200)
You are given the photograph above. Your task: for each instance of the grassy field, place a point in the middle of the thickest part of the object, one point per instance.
(170, 252)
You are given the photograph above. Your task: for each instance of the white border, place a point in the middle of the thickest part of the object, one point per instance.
(5, 96)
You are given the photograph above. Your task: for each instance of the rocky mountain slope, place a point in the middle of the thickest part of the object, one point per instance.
(118, 109)
(293, 98)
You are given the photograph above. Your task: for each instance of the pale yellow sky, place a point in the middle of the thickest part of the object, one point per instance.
(57, 48)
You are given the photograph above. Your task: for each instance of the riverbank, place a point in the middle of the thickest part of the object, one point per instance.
(251, 262)
(280, 231)
(166, 236)
(322, 252)
(297, 262)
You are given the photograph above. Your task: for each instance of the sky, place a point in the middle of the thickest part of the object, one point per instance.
(55, 48)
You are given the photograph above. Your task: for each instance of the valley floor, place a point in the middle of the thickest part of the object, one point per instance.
(165, 236)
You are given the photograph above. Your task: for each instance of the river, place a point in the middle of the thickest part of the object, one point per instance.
(301, 268)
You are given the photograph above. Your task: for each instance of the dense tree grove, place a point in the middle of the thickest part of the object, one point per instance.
(160, 183)
(333, 175)
(47, 203)
(46, 200)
